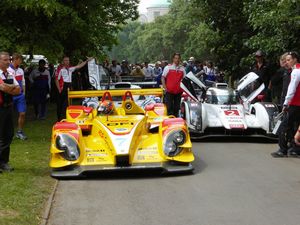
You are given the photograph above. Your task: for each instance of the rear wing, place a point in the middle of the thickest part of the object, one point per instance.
(116, 92)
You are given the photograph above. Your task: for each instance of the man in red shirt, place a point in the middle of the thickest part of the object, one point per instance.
(171, 79)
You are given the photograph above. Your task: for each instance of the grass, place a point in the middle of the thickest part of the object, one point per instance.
(23, 193)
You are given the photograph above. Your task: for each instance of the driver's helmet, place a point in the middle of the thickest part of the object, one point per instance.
(105, 107)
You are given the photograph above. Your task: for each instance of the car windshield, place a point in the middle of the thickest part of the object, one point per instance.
(222, 99)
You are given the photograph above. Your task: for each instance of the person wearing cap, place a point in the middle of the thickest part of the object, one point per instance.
(125, 68)
(262, 69)
(41, 84)
(292, 107)
(171, 79)
(191, 66)
(9, 87)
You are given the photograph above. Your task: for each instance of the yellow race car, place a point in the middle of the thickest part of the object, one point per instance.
(116, 138)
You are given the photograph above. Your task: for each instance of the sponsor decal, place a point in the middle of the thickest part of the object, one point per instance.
(121, 129)
(148, 151)
(269, 106)
(79, 122)
(236, 126)
(96, 154)
(227, 107)
(235, 121)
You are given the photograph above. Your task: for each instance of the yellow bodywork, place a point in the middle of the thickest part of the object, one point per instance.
(130, 133)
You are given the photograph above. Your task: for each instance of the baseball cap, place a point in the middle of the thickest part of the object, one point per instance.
(259, 53)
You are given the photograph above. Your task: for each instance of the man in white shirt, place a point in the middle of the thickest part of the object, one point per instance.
(149, 72)
(63, 82)
(9, 87)
(19, 100)
(115, 71)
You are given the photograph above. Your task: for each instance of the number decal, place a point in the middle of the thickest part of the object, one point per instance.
(231, 112)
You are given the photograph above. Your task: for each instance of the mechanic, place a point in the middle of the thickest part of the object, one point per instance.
(19, 100)
(292, 107)
(40, 79)
(63, 82)
(8, 87)
(171, 79)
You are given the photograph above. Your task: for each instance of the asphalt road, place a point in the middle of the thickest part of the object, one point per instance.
(233, 183)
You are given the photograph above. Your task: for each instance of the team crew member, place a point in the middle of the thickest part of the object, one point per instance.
(19, 100)
(8, 87)
(171, 79)
(63, 83)
(292, 107)
(41, 85)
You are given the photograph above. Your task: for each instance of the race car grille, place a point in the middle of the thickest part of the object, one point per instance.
(122, 160)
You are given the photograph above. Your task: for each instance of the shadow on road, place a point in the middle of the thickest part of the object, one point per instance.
(235, 139)
(199, 165)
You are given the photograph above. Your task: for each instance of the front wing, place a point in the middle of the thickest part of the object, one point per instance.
(81, 171)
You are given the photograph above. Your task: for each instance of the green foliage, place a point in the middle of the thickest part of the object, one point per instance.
(55, 27)
(227, 32)
(276, 24)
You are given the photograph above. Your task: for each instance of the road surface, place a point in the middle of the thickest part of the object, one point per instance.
(233, 183)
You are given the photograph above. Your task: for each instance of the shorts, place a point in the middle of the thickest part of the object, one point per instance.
(20, 103)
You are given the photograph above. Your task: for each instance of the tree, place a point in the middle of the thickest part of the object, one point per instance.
(57, 27)
(227, 32)
(276, 25)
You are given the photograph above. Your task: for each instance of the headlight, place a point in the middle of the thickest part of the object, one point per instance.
(195, 118)
(69, 146)
(172, 141)
(179, 137)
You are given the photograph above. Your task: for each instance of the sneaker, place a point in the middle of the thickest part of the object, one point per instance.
(279, 154)
(5, 167)
(21, 135)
